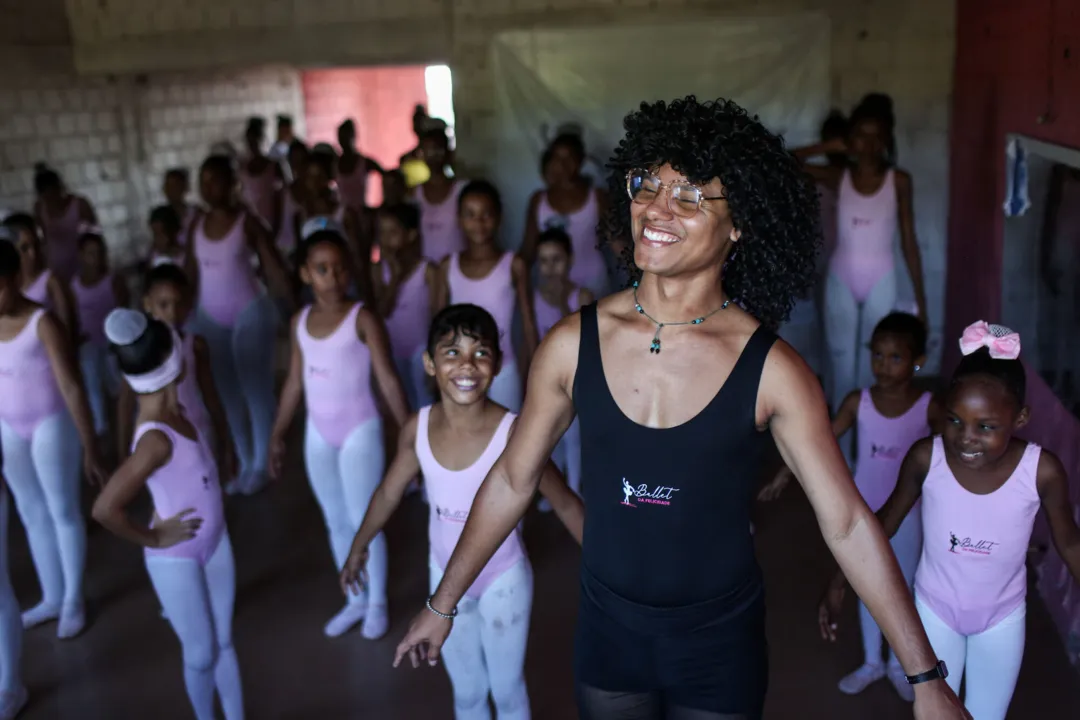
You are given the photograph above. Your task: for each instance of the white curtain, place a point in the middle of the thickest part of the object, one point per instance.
(776, 67)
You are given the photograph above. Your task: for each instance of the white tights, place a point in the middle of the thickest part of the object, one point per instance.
(44, 473)
(101, 382)
(241, 359)
(506, 387)
(343, 480)
(11, 630)
(198, 601)
(485, 652)
(991, 660)
(907, 546)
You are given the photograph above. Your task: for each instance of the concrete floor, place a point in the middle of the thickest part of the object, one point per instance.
(127, 664)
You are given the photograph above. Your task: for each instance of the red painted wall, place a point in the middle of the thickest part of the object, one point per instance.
(381, 102)
(1016, 72)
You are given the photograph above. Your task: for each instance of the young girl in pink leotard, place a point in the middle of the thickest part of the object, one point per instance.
(260, 179)
(175, 187)
(454, 443)
(167, 241)
(497, 281)
(405, 289)
(60, 215)
(340, 358)
(556, 297)
(44, 417)
(166, 298)
(293, 200)
(188, 554)
(236, 315)
(440, 231)
(97, 292)
(890, 416)
(353, 169)
(39, 283)
(981, 488)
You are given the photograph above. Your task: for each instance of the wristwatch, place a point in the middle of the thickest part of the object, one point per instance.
(940, 672)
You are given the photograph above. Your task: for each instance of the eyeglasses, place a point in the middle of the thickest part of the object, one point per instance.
(684, 199)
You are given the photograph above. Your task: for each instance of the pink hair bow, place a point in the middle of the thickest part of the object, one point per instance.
(1003, 343)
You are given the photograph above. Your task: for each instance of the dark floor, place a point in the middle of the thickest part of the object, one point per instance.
(127, 664)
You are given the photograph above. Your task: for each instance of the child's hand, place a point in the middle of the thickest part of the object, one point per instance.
(177, 529)
(277, 457)
(354, 574)
(92, 466)
(776, 486)
(829, 609)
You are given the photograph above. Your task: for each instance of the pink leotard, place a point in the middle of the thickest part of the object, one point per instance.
(62, 239)
(188, 481)
(337, 378)
(439, 230)
(188, 392)
(38, 291)
(227, 282)
(589, 267)
(866, 227)
(408, 324)
(972, 572)
(352, 188)
(27, 382)
(547, 315)
(883, 443)
(451, 494)
(494, 293)
(94, 304)
(258, 191)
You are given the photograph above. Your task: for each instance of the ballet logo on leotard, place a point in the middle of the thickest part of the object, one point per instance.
(557, 222)
(317, 372)
(967, 545)
(455, 516)
(884, 452)
(861, 222)
(206, 483)
(657, 495)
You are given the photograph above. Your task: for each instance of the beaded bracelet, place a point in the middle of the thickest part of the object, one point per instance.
(444, 616)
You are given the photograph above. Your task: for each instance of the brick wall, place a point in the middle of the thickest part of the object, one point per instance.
(112, 137)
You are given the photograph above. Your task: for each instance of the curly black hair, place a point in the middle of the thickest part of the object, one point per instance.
(773, 202)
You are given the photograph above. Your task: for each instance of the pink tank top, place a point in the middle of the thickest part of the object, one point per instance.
(547, 315)
(27, 383)
(439, 230)
(352, 188)
(38, 291)
(62, 239)
(227, 281)
(191, 399)
(258, 192)
(589, 269)
(188, 481)
(408, 324)
(972, 572)
(337, 378)
(451, 493)
(94, 304)
(865, 229)
(494, 293)
(883, 444)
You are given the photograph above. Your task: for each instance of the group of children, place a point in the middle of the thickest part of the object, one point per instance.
(371, 348)
(196, 414)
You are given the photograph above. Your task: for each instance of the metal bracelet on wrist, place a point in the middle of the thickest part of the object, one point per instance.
(444, 616)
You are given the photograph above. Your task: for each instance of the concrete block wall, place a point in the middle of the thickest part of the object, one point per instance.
(112, 137)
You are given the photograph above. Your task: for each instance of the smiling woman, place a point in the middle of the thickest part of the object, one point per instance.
(724, 229)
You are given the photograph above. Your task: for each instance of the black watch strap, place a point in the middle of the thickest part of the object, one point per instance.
(939, 672)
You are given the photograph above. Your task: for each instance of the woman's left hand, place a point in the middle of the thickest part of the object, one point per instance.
(93, 468)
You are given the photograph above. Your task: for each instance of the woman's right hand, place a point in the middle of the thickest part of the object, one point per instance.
(177, 529)
(277, 457)
(354, 574)
(829, 609)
